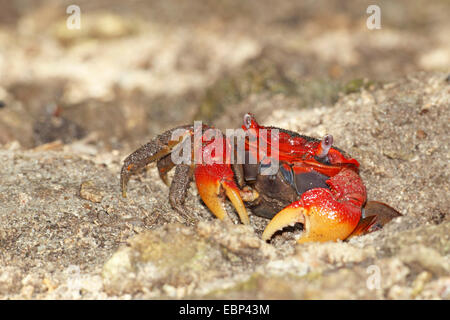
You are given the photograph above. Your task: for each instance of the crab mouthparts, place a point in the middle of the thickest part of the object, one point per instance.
(285, 218)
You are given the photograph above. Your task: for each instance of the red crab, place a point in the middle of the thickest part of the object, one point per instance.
(313, 183)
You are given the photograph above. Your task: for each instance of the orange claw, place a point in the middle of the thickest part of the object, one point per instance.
(326, 215)
(212, 182)
(323, 218)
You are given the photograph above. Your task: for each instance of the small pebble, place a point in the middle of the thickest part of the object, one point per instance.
(88, 191)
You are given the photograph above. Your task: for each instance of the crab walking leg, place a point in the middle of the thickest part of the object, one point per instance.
(164, 165)
(214, 180)
(179, 187)
(374, 216)
(327, 215)
(157, 148)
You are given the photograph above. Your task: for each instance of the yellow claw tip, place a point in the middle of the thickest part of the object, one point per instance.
(284, 218)
(237, 202)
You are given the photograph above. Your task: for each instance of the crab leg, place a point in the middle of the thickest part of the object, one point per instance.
(164, 165)
(157, 148)
(326, 215)
(179, 187)
(213, 181)
(375, 215)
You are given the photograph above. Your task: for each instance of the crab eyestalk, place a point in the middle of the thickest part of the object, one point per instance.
(250, 121)
(324, 147)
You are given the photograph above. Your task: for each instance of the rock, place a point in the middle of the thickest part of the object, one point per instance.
(216, 259)
(51, 128)
(178, 257)
(67, 233)
(333, 254)
(89, 192)
(96, 26)
(173, 256)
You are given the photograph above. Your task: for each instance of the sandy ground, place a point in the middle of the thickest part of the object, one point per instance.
(74, 104)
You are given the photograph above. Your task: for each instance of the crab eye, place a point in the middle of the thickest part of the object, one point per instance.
(325, 145)
(327, 141)
(248, 120)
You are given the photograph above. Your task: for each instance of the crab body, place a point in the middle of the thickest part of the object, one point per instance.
(310, 181)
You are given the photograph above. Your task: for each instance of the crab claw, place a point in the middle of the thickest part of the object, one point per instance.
(323, 218)
(289, 216)
(213, 181)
